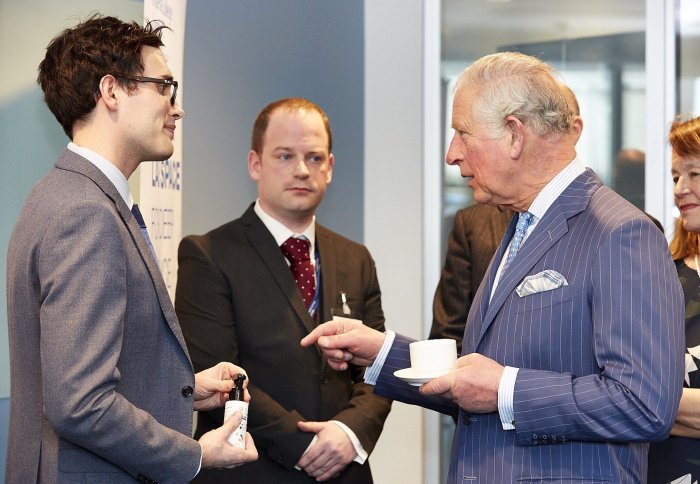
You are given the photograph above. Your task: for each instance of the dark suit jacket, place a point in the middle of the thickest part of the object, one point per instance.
(237, 301)
(600, 359)
(101, 382)
(476, 233)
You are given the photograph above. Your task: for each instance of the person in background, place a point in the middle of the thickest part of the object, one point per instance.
(102, 387)
(573, 349)
(629, 175)
(677, 459)
(249, 290)
(476, 233)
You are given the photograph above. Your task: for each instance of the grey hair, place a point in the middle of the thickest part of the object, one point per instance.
(514, 84)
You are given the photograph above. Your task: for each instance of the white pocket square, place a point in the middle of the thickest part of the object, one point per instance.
(543, 281)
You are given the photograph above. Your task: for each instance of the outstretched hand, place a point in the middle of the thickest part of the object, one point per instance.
(346, 341)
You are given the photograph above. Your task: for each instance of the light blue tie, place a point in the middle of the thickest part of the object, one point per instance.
(520, 229)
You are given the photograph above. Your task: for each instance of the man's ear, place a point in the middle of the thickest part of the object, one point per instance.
(515, 130)
(577, 128)
(110, 91)
(331, 162)
(254, 163)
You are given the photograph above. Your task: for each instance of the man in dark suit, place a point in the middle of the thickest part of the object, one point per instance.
(572, 356)
(102, 387)
(237, 299)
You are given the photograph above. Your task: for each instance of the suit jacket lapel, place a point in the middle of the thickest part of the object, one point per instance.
(264, 244)
(76, 163)
(481, 300)
(329, 283)
(553, 226)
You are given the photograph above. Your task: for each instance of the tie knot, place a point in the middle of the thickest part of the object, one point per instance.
(296, 249)
(524, 221)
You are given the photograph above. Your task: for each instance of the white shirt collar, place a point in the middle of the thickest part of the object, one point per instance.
(110, 171)
(541, 204)
(280, 232)
(555, 187)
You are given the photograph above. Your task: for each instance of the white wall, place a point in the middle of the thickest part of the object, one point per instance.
(393, 203)
(242, 55)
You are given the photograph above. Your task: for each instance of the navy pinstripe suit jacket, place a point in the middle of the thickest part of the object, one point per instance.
(600, 359)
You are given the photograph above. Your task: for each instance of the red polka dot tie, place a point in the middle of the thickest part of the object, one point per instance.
(297, 252)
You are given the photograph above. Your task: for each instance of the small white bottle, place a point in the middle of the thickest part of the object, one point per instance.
(234, 404)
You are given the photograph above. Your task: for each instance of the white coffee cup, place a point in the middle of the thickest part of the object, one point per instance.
(432, 356)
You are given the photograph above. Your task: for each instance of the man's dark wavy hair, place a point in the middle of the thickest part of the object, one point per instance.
(79, 57)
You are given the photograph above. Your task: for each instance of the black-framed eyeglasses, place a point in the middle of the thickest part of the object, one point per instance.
(168, 84)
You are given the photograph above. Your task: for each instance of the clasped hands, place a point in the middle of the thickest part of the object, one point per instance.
(329, 453)
(211, 389)
(472, 384)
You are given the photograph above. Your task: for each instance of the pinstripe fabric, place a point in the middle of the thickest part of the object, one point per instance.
(388, 384)
(601, 359)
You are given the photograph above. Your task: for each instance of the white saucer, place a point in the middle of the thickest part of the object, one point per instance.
(417, 378)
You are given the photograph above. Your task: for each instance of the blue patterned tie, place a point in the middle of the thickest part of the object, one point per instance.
(142, 225)
(520, 229)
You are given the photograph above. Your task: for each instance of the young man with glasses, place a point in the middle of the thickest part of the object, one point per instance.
(102, 387)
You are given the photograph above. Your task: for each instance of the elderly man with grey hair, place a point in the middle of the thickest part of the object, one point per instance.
(572, 356)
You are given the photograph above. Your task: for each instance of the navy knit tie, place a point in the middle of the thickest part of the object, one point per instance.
(142, 225)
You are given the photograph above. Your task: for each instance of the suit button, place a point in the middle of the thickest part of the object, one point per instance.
(324, 380)
(187, 391)
(466, 419)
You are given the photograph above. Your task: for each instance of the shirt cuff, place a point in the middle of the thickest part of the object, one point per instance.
(201, 456)
(372, 372)
(362, 454)
(506, 389)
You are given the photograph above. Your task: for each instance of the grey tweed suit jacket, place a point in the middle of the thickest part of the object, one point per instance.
(600, 359)
(101, 381)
